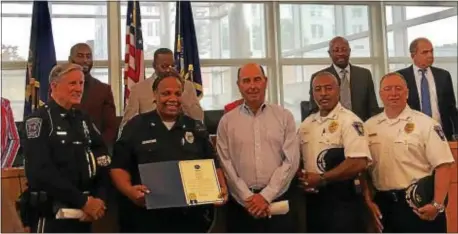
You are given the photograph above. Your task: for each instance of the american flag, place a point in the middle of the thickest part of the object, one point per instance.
(134, 68)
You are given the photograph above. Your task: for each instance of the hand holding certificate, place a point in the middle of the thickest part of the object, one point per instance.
(180, 183)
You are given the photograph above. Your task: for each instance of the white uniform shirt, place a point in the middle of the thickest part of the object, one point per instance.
(405, 149)
(341, 128)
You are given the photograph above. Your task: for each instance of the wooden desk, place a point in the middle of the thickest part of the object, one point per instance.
(13, 184)
(452, 212)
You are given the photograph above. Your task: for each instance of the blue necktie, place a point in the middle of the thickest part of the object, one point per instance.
(425, 97)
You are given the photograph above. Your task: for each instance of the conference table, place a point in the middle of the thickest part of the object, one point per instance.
(14, 182)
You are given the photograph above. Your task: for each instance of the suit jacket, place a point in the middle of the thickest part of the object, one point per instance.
(363, 100)
(445, 97)
(98, 103)
(141, 100)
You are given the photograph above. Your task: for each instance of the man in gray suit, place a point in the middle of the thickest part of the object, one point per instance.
(356, 85)
(141, 98)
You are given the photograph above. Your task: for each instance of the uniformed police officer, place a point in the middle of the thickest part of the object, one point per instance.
(406, 145)
(164, 134)
(334, 200)
(65, 157)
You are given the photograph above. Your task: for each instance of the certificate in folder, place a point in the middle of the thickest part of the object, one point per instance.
(180, 183)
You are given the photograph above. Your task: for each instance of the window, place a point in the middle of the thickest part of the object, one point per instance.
(13, 88)
(357, 28)
(357, 12)
(317, 31)
(240, 28)
(450, 67)
(423, 20)
(295, 92)
(307, 40)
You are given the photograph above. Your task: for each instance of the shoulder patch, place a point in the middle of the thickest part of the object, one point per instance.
(359, 128)
(439, 132)
(33, 127)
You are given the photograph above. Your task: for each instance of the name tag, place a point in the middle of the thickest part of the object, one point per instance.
(149, 141)
(61, 133)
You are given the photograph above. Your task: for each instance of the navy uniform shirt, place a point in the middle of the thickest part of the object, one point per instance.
(146, 139)
(65, 155)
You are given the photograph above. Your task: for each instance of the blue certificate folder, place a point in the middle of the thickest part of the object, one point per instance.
(163, 179)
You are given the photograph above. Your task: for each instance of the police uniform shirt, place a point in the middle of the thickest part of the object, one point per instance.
(405, 149)
(65, 155)
(341, 128)
(147, 139)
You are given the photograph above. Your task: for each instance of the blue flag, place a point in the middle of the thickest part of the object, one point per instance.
(186, 51)
(42, 58)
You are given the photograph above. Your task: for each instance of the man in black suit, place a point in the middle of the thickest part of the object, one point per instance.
(430, 88)
(356, 85)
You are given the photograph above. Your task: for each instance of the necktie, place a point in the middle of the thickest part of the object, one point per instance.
(345, 95)
(425, 96)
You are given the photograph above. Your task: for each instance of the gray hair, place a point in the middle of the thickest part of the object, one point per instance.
(413, 45)
(325, 73)
(62, 69)
(392, 74)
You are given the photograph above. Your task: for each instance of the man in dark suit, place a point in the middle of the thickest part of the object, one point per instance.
(430, 88)
(98, 99)
(356, 85)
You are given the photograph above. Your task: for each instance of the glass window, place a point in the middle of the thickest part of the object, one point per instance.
(13, 87)
(400, 36)
(296, 85)
(450, 67)
(304, 35)
(224, 30)
(71, 24)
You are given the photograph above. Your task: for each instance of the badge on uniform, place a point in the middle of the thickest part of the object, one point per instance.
(359, 128)
(103, 161)
(439, 132)
(409, 127)
(189, 137)
(33, 127)
(333, 126)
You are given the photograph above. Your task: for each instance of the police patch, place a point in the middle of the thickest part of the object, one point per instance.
(33, 127)
(359, 128)
(103, 161)
(439, 132)
(189, 137)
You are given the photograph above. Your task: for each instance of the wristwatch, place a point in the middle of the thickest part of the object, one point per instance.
(323, 181)
(439, 207)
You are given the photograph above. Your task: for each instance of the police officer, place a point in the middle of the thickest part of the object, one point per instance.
(334, 200)
(406, 146)
(65, 157)
(164, 134)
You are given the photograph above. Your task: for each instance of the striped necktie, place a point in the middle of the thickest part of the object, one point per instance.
(425, 95)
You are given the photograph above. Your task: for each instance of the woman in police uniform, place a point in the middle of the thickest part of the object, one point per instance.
(157, 136)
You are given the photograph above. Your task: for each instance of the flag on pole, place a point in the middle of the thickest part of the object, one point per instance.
(186, 51)
(42, 58)
(134, 67)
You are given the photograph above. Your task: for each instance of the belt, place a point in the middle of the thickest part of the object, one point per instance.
(255, 190)
(393, 195)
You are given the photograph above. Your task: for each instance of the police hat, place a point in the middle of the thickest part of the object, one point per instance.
(421, 192)
(328, 159)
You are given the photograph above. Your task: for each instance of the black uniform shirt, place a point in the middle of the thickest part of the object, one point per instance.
(146, 139)
(58, 158)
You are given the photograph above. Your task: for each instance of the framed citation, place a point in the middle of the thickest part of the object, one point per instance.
(180, 183)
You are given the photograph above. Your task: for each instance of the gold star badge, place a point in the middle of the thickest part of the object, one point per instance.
(409, 127)
(333, 126)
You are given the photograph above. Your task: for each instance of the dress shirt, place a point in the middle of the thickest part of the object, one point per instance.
(10, 137)
(258, 151)
(432, 90)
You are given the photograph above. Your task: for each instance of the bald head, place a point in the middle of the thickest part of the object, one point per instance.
(252, 83)
(339, 51)
(81, 54)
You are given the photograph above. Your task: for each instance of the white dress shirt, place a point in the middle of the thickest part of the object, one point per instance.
(432, 90)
